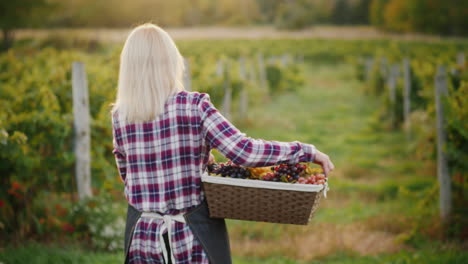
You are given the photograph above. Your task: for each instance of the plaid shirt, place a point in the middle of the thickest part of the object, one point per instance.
(161, 163)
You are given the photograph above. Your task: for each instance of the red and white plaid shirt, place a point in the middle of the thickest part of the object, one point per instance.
(161, 163)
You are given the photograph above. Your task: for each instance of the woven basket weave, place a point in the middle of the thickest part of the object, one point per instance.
(261, 201)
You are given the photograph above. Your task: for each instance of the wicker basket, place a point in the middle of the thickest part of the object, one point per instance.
(262, 201)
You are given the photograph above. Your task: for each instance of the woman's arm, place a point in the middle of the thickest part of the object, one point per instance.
(245, 151)
(120, 159)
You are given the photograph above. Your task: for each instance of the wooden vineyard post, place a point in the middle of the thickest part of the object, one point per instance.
(187, 76)
(300, 58)
(384, 73)
(284, 60)
(392, 83)
(407, 96)
(252, 74)
(441, 91)
(222, 71)
(369, 64)
(243, 103)
(262, 72)
(461, 59)
(220, 68)
(82, 130)
(384, 68)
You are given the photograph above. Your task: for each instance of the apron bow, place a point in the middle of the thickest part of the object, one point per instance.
(168, 219)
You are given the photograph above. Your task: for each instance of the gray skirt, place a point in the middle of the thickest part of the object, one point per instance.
(210, 232)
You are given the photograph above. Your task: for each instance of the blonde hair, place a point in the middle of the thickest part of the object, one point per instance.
(151, 69)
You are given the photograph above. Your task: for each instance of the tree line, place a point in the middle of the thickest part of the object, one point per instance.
(449, 17)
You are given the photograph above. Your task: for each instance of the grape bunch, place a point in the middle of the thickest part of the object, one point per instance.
(285, 173)
(318, 178)
(230, 170)
(290, 173)
(213, 167)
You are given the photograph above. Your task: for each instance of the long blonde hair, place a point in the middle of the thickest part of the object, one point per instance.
(151, 69)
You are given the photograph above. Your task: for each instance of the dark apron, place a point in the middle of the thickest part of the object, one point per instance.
(210, 232)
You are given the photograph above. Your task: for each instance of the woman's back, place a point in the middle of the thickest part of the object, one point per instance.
(162, 160)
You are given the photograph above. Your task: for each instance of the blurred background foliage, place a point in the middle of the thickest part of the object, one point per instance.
(448, 17)
(439, 17)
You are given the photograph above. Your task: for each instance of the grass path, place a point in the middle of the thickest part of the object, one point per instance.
(374, 201)
(118, 35)
(367, 214)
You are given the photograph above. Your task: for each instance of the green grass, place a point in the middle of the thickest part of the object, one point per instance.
(405, 257)
(426, 256)
(39, 254)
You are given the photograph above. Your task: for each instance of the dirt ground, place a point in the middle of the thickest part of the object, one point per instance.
(254, 32)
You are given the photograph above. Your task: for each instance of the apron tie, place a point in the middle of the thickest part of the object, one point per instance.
(166, 226)
(325, 189)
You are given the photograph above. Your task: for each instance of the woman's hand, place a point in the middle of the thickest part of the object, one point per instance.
(323, 160)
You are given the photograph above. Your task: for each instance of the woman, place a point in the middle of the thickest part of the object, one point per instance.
(162, 141)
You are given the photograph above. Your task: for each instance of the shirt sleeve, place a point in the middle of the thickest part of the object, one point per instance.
(246, 151)
(120, 158)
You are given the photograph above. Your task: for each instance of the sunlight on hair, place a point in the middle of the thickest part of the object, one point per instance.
(151, 69)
